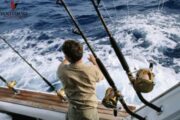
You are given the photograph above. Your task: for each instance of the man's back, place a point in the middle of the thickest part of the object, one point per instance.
(79, 81)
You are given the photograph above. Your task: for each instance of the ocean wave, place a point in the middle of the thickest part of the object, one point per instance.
(173, 4)
(173, 52)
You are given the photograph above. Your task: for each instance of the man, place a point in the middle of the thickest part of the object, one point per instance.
(79, 82)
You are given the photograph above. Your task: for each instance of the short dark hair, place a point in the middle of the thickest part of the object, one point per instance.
(73, 50)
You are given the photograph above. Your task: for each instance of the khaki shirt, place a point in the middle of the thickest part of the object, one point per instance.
(79, 81)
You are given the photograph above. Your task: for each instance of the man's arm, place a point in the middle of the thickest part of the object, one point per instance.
(61, 93)
(92, 59)
(61, 68)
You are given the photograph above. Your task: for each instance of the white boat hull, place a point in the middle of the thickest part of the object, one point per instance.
(170, 103)
(31, 111)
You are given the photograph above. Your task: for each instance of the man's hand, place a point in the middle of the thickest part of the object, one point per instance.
(61, 94)
(92, 59)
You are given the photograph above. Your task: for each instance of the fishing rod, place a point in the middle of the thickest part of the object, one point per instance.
(43, 78)
(123, 60)
(101, 65)
(10, 85)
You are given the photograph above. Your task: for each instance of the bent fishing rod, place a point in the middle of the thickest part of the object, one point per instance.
(43, 78)
(10, 85)
(100, 64)
(122, 59)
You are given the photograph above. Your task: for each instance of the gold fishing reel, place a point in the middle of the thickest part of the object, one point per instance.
(11, 84)
(144, 81)
(110, 99)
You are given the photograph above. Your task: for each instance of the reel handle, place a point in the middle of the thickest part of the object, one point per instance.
(115, 112)
(151, 66)
(15, 91)
(61, 96)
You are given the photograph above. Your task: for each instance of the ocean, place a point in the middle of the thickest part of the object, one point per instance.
(146, 31)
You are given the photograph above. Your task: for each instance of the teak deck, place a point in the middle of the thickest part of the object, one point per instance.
(50, 102)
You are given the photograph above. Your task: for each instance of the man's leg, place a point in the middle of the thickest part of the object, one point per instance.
(90, 114)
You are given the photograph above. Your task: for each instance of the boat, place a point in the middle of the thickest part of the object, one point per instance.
(168, 101)
(33, 105)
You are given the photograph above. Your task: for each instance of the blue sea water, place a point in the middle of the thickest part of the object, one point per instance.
(146, 31)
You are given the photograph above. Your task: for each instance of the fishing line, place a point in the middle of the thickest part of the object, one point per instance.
(116, 13)
(28, 25)
(74, 30)
(162, 6)
(115, 9)
(98, 2)
(127, 10)
(159, 4)
(129, 22)
(105, 9)
(67, 20)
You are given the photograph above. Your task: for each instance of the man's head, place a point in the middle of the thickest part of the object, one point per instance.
(73, 50)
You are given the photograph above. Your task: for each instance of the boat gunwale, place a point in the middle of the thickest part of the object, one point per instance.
(9, 97)
(159, 96)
